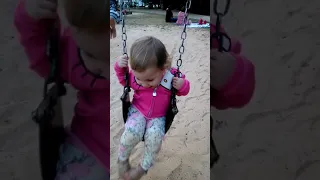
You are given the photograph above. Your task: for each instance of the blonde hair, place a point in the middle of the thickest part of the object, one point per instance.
(91, 15)
(149, 52)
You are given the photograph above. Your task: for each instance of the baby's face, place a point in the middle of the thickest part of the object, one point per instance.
(149, 78)
(94, 45)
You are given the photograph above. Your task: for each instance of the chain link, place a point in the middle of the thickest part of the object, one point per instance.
(183, 35)
(124, 32)
(218, 35)
(124, 50)
(221, 13)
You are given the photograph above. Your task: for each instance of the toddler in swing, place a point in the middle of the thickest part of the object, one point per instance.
(151, 77)
(85, 64)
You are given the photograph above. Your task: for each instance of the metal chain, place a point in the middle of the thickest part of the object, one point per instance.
(124, 52)
(220, 36)
(124, 32)
(221, 13)
(183, 35)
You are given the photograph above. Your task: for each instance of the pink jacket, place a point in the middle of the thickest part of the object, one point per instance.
(91, 121)
(152, 103)
(239, 89)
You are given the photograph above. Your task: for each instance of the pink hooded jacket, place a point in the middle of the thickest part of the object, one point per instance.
(152, 103)
(239, 89)
(91, 121)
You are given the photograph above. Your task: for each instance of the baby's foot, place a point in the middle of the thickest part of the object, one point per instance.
(135, 174)
(123, 167)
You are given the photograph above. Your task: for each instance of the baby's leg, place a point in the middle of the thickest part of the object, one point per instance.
(76, 163)
(155, 131)
(133, 133)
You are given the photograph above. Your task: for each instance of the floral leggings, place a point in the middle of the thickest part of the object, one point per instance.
(77, 164)
(136, 127)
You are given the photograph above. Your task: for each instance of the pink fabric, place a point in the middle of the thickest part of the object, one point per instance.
(239, 89)
(180, 18)
(148, 105)
(91, 121)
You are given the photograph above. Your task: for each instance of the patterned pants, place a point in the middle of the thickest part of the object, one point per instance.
(136, 127)
(76, 164)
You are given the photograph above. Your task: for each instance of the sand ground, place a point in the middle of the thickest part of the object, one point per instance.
(277, 135)
(185, 152)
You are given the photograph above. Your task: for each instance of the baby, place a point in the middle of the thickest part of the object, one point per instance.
(85, 64)
(151, 77)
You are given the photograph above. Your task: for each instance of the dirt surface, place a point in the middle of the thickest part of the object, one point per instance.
(277, 135)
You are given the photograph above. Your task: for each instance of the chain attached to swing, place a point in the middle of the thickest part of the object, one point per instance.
(219, 35)
(183, 35)
(179, 61)
(51, 127)
(127, 89)
(45, 111)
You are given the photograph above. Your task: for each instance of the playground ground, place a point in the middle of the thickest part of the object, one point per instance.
(277, 135)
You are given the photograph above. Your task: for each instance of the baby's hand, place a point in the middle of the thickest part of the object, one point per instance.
(42, 9)
(221, 67)
(123, 61)
(177, 83)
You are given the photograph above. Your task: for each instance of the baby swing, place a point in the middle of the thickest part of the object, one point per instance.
(219, 36)
(51, 137)
(172, 110)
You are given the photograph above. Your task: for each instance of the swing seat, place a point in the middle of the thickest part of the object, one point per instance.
(50, 137)
(171, 113)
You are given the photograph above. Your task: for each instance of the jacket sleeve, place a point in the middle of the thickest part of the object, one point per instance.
(120, 73)
(34, 35)
(239, 88)
(184, 90)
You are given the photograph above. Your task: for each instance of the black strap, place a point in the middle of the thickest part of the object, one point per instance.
(220, 37)
(53, 54)
(50, 138)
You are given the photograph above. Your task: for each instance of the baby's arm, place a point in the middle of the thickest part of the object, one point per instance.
(121, 73)
(34, 35)
(232, 77)
(238, 87)
(184, 90)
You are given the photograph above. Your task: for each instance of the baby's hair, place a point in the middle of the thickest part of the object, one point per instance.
(91, 15)
(149, 52)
